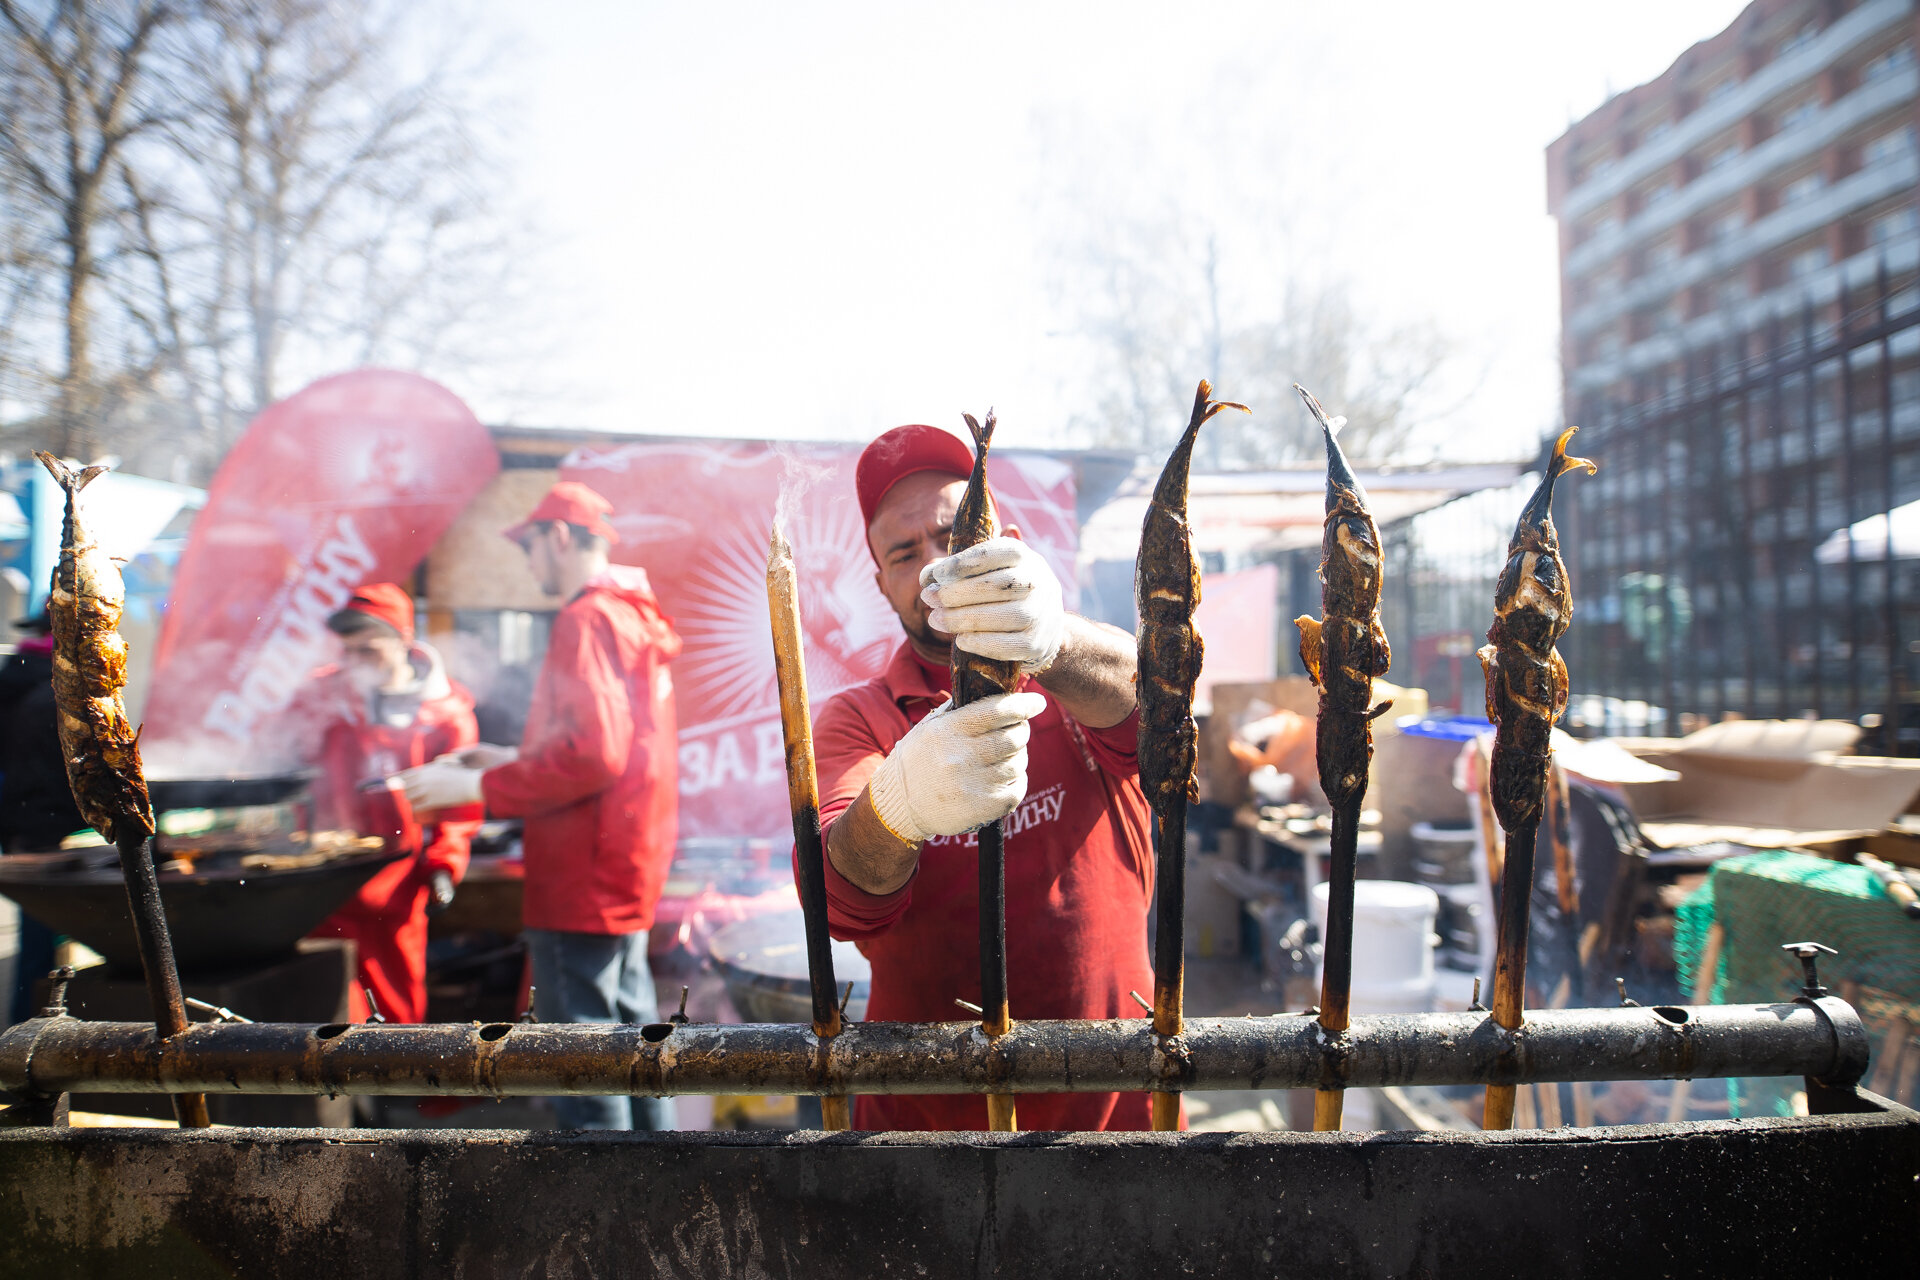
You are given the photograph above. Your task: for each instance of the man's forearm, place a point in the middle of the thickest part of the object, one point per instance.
(1093, 677)
(866, 854)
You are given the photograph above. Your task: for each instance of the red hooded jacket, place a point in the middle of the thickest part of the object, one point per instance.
(597, 781)
(361, 739)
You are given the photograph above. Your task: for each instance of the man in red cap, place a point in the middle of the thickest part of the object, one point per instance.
(905, 780)
(596, 781)
(387, 706)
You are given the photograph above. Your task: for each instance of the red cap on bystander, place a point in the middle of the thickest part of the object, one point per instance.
(570, 502)
(386, 602)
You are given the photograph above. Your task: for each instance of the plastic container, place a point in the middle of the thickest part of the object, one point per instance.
(1393, 943)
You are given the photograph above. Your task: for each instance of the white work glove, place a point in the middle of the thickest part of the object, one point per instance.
(956, 770)
(482, 755)
(443, 784)
(1000, 600)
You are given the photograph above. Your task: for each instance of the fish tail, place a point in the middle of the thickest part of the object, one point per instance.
(1563, 462)
(71, 480)
(982, 433)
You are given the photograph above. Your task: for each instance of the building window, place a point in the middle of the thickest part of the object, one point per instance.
(1806, 262)
(1896, 144)
(1798, 40)
(1800, 188)
(1663, 254)
(1720, 88)
(1655, 130)
(1726, 227)
(1798, 114)
(1600, 226)
(1656, 194)
(1893, 226)
(1724, 156)
(1898, 58)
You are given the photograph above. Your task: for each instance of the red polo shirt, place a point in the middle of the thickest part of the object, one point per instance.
(1079, 877)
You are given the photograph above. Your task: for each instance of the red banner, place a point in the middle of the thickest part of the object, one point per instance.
(349, 481)
(696, 515)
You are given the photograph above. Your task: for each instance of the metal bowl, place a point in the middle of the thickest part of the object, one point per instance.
(764, 961)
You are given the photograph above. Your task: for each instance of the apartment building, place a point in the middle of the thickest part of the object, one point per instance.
(1738, 244)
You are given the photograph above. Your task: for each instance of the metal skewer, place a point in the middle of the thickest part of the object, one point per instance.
(803, 794)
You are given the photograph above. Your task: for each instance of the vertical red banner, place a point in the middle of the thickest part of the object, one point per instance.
(349, 481)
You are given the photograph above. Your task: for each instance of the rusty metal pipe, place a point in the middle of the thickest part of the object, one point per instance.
(1823, 1039)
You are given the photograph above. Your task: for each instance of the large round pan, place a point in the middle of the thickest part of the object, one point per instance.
(224, 793)
(220, 918)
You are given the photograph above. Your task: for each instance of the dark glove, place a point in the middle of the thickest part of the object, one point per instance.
(440, 897)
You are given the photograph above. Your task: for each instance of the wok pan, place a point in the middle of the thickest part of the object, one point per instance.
(225, 793)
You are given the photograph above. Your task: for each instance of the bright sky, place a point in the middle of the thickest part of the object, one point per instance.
(822, 220)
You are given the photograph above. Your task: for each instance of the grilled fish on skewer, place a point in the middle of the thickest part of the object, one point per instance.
(975, 677)
(1347, 647)
(1526, 692)
(1343, 652)
(1526, 677)
(102, 749)
(1166, 589)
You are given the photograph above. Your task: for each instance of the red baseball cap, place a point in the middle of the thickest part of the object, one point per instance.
(901, 452)
(386, 602)
(571, 502)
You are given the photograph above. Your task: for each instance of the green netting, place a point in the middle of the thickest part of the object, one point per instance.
(1762, 900)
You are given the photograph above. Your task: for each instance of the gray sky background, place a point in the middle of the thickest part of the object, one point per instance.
(822, 220)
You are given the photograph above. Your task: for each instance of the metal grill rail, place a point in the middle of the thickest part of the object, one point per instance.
(1820, 1039)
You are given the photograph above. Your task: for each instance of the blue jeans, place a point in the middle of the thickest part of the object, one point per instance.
(597, 977)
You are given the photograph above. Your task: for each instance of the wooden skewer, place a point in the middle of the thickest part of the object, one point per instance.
(1510, 959)
(803, 795)
(1336, 972)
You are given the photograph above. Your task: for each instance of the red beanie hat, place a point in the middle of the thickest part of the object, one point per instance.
(386, 602)
(901, 452)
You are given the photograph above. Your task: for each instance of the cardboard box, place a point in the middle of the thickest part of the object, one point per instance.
(1769, 784)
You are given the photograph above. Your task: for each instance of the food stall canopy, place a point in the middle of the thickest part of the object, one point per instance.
(1255, 512)
(1869, 537)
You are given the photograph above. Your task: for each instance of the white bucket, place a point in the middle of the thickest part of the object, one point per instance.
(1393, 943)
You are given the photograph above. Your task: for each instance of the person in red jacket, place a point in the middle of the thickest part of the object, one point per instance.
(905, 780)
(596, 781)
(386, 707)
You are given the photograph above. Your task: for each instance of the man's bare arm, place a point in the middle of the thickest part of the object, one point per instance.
(1093, 677)
(866, 854)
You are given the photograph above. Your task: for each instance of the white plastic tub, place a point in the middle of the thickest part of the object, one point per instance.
(1393, 943)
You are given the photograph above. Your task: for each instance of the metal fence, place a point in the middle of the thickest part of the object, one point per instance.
(1719, 559)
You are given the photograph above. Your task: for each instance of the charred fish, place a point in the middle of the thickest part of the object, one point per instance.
(1342, 652)
(101, 747)
(1526, 676)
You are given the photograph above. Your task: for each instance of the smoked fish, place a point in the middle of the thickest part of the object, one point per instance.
(102, 749)
(1526, 677)
(1166, 586)
(975, 521)
(1347, 648)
